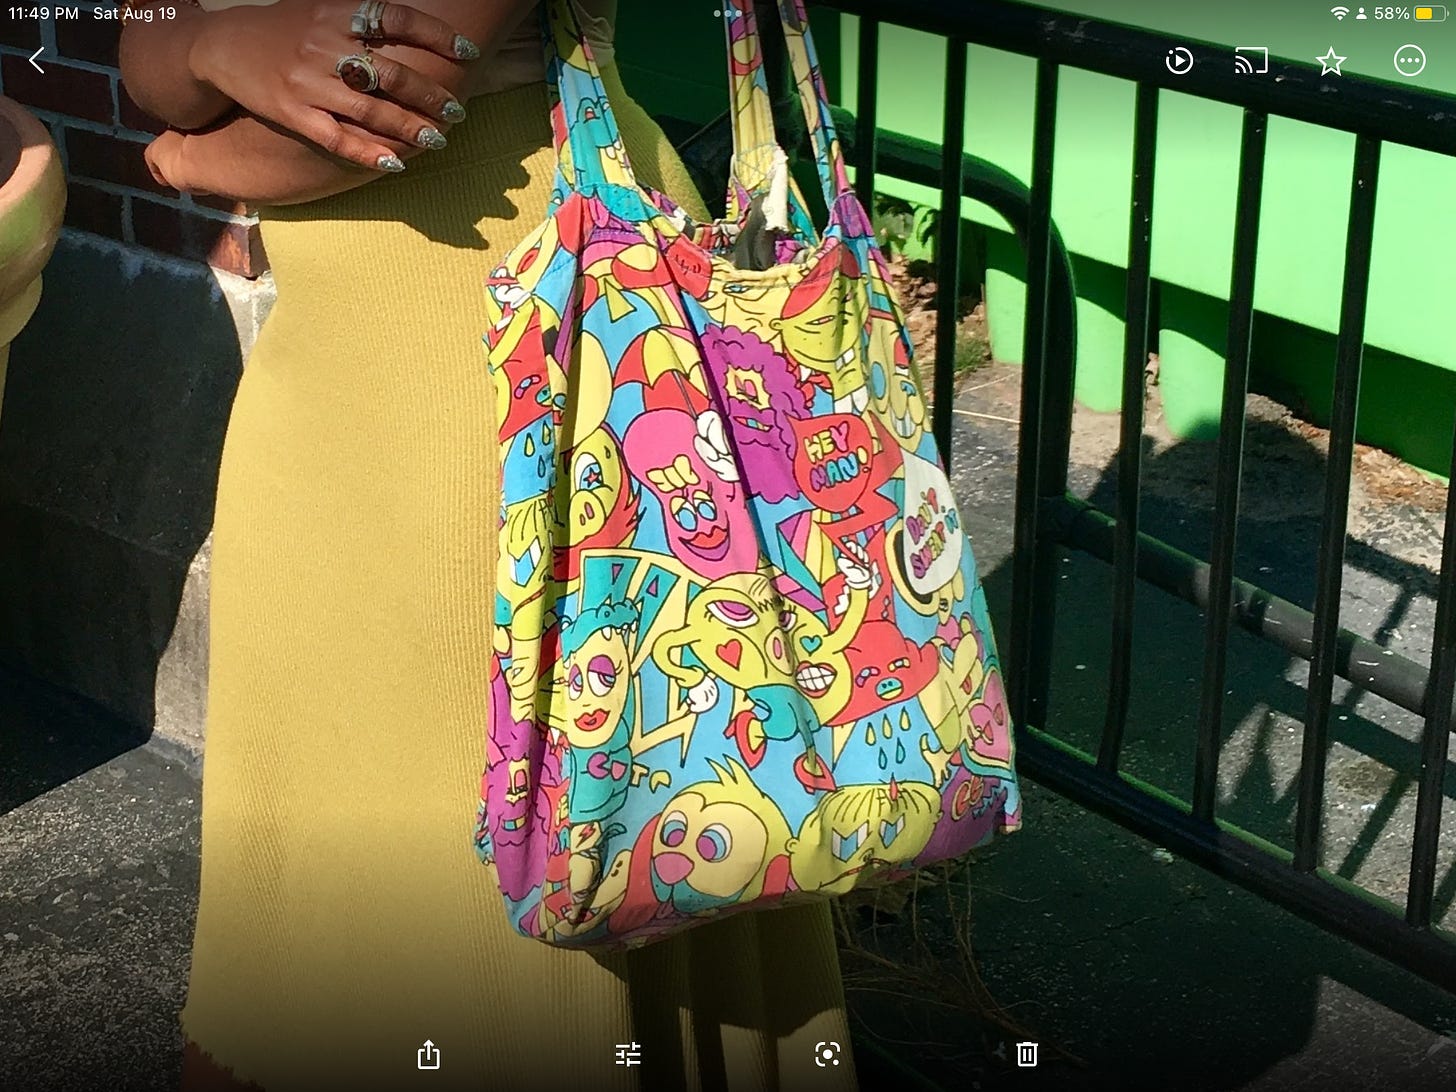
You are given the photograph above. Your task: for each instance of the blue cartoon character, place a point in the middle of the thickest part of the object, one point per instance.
(598, 712)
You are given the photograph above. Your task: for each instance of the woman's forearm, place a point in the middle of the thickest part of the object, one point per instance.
(252, 161)
(156, 65)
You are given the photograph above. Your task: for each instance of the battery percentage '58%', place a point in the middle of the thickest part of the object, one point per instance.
(1421, 13)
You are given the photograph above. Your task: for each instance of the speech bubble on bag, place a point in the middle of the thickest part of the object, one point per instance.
(832, 455)
(933, 538)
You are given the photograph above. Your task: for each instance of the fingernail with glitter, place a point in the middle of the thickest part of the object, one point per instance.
(452, 112)
(390, 163)
(430, 138)
(465, 49)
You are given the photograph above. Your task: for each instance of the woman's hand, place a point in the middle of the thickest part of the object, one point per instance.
(277, 62)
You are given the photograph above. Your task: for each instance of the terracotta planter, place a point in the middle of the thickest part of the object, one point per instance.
(32, 200)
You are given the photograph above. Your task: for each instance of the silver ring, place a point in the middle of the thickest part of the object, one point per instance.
(357, 65)
(367, 22)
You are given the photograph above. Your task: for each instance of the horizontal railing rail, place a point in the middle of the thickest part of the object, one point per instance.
(1047, 518)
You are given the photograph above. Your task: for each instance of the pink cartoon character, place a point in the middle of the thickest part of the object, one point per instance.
(685, 462)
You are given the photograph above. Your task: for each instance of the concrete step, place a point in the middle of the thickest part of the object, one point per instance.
(115, 409)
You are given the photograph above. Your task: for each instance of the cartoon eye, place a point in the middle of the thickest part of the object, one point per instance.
(518, 780)
(714, 843)
(845, 846)
(708, 510)
(823, 321)
(890, 831)
(748, 390)
(526, 384)
(673, 830)
(901, 664)
(908, 388)
(685, 517)
(865, 675)
(787, 620)
(573, 681)
(735, 289)
(732, 613)
(601, 674)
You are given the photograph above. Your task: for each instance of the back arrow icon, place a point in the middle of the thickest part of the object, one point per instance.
(33, 56)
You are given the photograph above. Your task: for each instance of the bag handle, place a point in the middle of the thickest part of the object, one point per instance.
(755, 143)
(589, 148)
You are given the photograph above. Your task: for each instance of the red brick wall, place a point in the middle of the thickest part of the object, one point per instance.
(101, 134)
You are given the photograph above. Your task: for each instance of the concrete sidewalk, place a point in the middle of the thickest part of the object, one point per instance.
(1129, 967)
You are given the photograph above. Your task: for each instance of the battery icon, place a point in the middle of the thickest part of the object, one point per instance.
(1430, 13)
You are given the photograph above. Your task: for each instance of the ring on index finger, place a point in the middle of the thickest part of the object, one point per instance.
(367, 22)
(358, 72)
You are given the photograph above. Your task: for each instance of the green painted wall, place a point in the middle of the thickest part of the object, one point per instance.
(1410, 380)
(1411, 324)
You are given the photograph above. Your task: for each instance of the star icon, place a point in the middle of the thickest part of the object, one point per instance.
(1331, 62)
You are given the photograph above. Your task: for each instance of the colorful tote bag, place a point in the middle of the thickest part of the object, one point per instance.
(743, 654)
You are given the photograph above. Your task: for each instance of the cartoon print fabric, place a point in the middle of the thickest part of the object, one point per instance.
(742, 651)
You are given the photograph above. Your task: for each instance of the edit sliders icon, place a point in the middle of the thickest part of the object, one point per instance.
(428, 1056)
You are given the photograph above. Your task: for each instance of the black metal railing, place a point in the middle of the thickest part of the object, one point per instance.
(1048, 518)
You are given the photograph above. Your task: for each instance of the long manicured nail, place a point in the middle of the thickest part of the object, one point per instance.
(452, 112)
(465, 49)
(431, 138)
(390, 163)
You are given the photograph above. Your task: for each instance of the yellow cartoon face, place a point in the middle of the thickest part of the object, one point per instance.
(860, 828)
(822, 323)
(821, 671)
(749, 305)
(594, 681)
(715, 840)
(894, 392)
(734, 630)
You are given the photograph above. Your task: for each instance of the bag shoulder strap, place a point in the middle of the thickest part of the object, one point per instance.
(589, 148)
(755, 143)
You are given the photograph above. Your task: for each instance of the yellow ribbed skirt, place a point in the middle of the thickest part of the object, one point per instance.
(344, 918)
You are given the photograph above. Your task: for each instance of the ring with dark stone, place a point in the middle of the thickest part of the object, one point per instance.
(358, 72)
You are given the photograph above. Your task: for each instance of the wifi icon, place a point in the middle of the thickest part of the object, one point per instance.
(1340, 12)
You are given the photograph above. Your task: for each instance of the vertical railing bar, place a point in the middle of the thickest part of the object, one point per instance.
(1029, 581)
(1349, 354)
(1230, 462)
(948, 242)
(1129, 458)
(1435, 736)
(866, 161)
